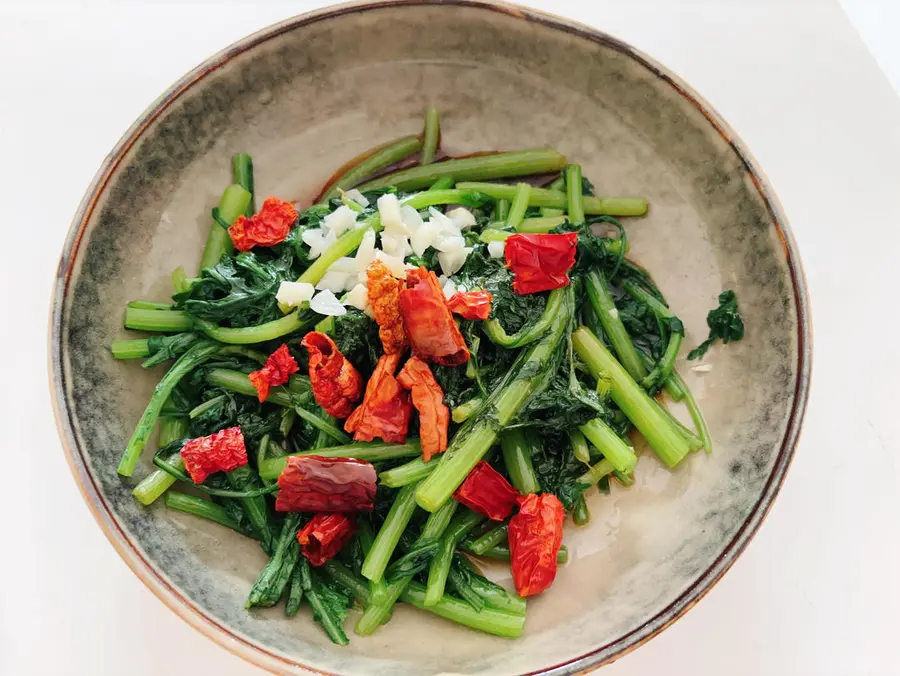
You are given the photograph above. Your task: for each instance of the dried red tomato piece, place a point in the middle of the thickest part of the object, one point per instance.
(219, 452)
(270, 225)
(325, 535)
(535, 536)
(278, 369)
(471, 304)
(336, 385)
(433, 334)
(311, 483)
(384, 296)
(386, 408)
(486, 491)
(540, 262)
(428, 398)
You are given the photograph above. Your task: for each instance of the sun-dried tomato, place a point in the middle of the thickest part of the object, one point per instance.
(384, 297)
(270, 225)
(278, 369)
(219, 452)
(428, 398)
(535, 536)
(486, 491)
(386, 408)
(471, 304)
(325, 535)
(336, 384)
(540, 262)
(433, 334)
(311, 483)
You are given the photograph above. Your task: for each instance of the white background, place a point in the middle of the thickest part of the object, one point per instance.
(816, 592)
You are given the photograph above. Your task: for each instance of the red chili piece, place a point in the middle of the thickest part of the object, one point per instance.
(311, 483)
(270, 225)
(278, 369)
(324, 536)
(486, 491)
(471, 304)
(433, 334)
(386, 408)
(428, 398)
(540, 262)
(219, 452)
(535, 536)
(336, 385)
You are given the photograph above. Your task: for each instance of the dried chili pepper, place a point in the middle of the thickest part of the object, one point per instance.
(540, 262)
(270, 225)
(336, 384)
(433, 334)
(311, 483)
(535, 536)
(278, 369)
(385, 409)
(325, 535)
(471, 304)
(219, 452)
(486, 491)
(428, 398)
(384, 297)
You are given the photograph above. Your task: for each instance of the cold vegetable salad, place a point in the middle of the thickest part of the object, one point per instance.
(430, 364)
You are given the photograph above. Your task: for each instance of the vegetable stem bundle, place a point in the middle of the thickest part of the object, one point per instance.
(435, 333)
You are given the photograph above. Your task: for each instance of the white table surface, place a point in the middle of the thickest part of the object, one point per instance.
(817, 591)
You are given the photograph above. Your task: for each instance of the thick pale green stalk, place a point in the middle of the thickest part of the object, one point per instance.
(517, 446)
(389, 535)
(527, 377)
(501, 210)
(382, 158)
(519, 206)
(164, 321)
(412, 472)
(542, 197)
(431, 137)
(530, 332)
(481, 168)
(242, 174)
(250, 335)
(465, 411)
(137, 348)
(361, 450)
(620, 454)
(443, 183)
(195, 356)
(573, 194)
(489, 620)
(605, 309)
(205, 509)
(541, 224)
(641, 410)
(443, 558)
(158, 482)
(233, 203)
(596, 472)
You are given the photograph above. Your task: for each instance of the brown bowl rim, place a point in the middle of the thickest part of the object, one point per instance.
(276, 662)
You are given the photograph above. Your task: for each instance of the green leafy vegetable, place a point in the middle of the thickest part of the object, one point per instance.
(724, 322)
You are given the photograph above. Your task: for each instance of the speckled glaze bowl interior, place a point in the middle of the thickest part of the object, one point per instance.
(305, 96)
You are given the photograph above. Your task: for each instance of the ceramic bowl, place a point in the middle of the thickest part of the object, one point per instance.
(306, 95)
